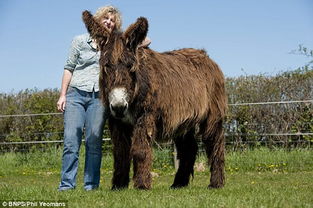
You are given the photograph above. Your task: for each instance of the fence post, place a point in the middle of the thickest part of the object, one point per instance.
(176, 161)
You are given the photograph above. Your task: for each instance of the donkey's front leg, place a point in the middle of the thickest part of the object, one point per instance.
(120, 134)
(141, 152)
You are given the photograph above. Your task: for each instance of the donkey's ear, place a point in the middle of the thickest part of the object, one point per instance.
(96, 30)
(136, 33)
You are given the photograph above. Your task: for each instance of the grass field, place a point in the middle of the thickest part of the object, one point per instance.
(255, 178)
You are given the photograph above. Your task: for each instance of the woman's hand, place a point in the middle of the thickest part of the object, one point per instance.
(67, 76)
(145, 43)
(61, 103)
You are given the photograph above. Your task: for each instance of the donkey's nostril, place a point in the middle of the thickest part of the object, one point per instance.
(124, 108)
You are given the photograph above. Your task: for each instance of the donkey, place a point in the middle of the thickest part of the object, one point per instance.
(152, 96)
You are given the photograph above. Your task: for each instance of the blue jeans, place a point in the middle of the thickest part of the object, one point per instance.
(83, 109)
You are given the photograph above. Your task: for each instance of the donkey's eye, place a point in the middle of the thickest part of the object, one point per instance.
(129, 65)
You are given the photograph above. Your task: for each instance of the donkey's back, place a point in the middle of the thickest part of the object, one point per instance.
(188, 86)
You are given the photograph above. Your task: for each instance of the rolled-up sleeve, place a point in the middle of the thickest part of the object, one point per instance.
(73, 55)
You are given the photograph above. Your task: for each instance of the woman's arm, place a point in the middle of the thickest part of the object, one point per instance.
(67, 76)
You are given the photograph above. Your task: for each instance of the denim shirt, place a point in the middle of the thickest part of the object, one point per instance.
(83, 62)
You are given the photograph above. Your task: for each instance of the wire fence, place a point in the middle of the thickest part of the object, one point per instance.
(271, 103)
(234, 139)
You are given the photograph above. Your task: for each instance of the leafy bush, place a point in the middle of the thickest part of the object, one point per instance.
(264, 122)
(256, 124)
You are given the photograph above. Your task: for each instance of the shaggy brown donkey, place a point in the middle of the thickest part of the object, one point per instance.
(154, 95)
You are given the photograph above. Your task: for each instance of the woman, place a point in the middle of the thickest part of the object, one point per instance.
(83, 110)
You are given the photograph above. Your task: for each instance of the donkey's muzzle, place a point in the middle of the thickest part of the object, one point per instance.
(118, 111)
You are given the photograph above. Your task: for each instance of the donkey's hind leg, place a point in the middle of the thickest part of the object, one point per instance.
(213, 140)
(186, 154)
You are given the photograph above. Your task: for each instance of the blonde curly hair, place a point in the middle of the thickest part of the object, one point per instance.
(103, 11)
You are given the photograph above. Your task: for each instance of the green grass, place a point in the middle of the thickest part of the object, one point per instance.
(255, 178)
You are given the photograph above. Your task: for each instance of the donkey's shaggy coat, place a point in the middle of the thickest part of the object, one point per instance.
(151, 96)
